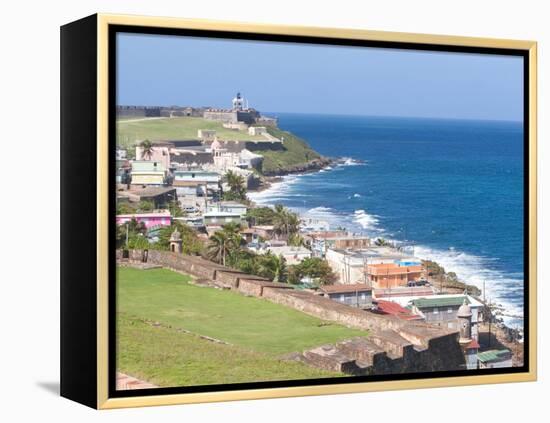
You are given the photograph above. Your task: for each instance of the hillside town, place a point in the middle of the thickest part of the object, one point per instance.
(188, 198)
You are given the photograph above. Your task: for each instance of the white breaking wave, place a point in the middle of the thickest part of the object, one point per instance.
(366, 221)
(349, 161)
(474, 270)
(276, 192)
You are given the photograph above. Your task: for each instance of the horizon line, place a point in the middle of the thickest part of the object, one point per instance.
(345, 114)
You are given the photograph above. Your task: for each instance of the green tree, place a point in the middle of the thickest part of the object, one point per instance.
(260, 216)
(237, 187)
(145, 206)
(131, 230)
(190, 244)
(226, 246)
(272, 267)
(296, 240)
(218, 247)
(285, 222)
(315, 268)
(245, 261)
(381, 242)
(124, 208)
(175, 209)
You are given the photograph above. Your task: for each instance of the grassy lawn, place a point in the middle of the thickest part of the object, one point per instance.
(179, 128)
(166, 357)
(164, 296)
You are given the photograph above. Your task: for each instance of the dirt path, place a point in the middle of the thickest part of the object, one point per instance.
(141, 119)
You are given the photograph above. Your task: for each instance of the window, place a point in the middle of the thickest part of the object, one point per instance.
(342, 298)
(436, 310)
(449, 310)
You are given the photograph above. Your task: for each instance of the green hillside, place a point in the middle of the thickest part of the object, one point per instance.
(179, 128)
(296, 152)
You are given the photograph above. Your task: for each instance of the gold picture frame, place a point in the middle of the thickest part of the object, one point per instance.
(100, 25)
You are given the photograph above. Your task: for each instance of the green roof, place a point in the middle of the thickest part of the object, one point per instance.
(147, 166)
(493, 355)
(440, 301)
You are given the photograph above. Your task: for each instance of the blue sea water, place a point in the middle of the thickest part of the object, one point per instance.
(451, 188)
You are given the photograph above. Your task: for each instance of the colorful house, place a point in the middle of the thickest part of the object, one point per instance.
(146, 172)
(356, 295)
(150, 220)
(196, 182)
(442, 310)
(229, 207)
(220, 218)
(160, 153)
(389, 275)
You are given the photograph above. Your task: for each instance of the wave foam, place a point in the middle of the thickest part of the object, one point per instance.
(506, 290)
(366, 221)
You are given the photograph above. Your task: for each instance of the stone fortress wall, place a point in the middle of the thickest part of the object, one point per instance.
(392, 345)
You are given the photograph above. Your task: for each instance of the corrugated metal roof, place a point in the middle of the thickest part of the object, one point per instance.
(437, 301)
(339, 288)
(394, 309)
(494, 355)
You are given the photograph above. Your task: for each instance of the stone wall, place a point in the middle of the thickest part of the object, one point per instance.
(392, 346)
(256, 288)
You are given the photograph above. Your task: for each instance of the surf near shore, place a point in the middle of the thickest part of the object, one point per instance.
(294, 188)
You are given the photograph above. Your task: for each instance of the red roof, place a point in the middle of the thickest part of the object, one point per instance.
(388, 307)
(473, 344)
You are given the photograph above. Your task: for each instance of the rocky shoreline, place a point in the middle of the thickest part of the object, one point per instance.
(314, 165)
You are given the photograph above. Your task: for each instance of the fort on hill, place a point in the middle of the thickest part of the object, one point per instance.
(239, 116)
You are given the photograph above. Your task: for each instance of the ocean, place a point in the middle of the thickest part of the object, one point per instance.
(451, 188)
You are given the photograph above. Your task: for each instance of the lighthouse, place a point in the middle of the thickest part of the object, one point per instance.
(238, 102)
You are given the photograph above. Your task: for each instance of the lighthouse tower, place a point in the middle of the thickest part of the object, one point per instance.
(238, 102)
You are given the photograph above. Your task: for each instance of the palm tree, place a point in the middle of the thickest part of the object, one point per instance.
(236, 183)
(285, 222)
(381, 242)
(272, 267)
(225, 243)
(147, 147)
(216, 249)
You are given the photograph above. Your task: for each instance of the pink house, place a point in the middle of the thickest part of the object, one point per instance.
(150, 220)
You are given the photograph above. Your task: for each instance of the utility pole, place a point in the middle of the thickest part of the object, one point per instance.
(490, 321)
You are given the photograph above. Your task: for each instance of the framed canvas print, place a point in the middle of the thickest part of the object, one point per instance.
(256, 211)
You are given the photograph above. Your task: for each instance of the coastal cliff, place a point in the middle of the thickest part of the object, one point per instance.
(296, 156)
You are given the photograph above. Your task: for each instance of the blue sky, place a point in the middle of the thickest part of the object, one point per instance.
(301, 78)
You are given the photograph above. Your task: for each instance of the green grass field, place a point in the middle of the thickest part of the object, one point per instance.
(166, 357)
(179, 128)
(258, 332)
